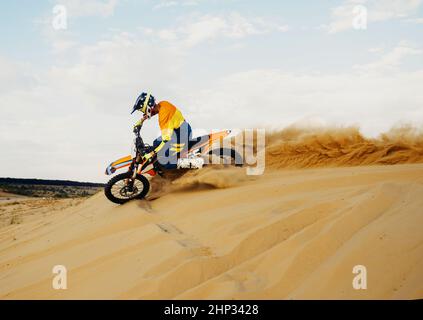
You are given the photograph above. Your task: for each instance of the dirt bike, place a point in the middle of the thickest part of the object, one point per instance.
(135, 183)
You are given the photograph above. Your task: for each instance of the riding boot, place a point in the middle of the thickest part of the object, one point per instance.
(190, 163)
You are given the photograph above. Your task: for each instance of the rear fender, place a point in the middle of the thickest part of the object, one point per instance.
(218, 135)
(213, 137)
(119, 164)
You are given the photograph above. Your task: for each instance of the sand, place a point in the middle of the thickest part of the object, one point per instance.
(289, 234)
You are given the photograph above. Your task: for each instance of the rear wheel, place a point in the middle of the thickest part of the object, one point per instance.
(225, 156)
(121, 188)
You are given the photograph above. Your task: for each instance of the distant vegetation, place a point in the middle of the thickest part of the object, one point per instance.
(49, 188)
(49, 182)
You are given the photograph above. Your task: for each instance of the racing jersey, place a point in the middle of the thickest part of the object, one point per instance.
(170, 118)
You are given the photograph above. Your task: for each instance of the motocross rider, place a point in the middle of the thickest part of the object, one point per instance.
(175, 133)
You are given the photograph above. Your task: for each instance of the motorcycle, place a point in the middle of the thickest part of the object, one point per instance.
(135, 182)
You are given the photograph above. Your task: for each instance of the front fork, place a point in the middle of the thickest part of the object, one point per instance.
(134, 172)
(134, 168)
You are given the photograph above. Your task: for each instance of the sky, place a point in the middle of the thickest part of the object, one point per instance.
(67, 89)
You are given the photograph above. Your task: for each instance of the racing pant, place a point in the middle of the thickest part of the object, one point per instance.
(175, 148)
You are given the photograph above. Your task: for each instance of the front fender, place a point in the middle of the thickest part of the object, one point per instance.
(118, 164)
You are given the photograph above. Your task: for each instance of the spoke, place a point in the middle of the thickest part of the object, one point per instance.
(119, 189)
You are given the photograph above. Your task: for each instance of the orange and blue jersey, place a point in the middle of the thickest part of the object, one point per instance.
(170, 119)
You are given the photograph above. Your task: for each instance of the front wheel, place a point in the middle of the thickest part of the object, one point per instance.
(122, 188)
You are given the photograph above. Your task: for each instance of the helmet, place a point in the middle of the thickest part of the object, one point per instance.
(145, 103)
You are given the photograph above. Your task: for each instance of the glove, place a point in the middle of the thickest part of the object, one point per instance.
(149, 155)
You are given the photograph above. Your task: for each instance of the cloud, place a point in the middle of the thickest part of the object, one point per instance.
(381, 10)
(15, 76)
(391, 60)
(271, 97)
(62, 40)
(378, 10)
(376, 50)
(416, 20)
(89, 8)
(59, 41)
(196, 29)
(375, 95)
(173, 3)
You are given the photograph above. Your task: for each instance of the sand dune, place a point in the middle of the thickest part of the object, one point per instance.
(288, 234)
